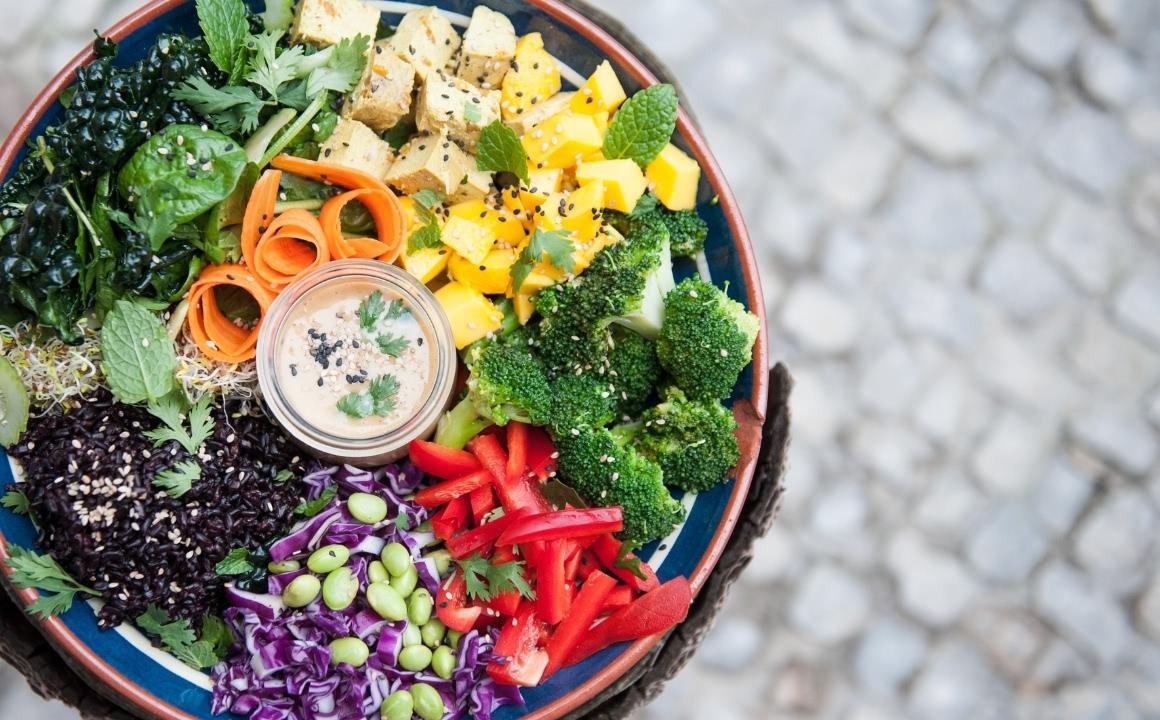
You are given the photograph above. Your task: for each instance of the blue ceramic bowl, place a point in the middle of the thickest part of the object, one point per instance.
(123, 665)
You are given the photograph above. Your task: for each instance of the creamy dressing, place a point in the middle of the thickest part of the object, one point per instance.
(324, 354)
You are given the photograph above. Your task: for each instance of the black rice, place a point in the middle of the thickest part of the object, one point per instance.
(88, 477)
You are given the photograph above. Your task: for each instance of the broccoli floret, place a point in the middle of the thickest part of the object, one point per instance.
(507, 382)
(706, 340)
(633, 371)
(692, 441)
(626, 285)
(687, 231)
(608, 473)
(581, 400)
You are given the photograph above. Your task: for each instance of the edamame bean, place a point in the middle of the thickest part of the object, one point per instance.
(339, 589)
(415, 658)
(301, 591)
(349, 650)
(405, 584)
(377, 573)
(396, 558)
(387, 602)
(442, 560)
(433, 633)
(286, 566)
(367, 508)
(327, 559)
(419, 607)
(428, 702)
(443, 662)
(413, 635)
(424, 527)
(453, 638)
(398, 706)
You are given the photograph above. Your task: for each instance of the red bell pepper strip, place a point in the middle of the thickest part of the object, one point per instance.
(482, 502)
(621, 596)
(584, 610)
(576, 567)
(442, 462)
(564, 524)
(490, 455)
(517, 448)
(541, 456)
(451, 605)
(519, 643)
(448, 490)
(607, 549)
(482, 538)
(451, 519)
(552, 598)
(655, 612)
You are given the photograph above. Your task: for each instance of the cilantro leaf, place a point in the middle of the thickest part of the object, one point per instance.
(370, 310)
(234, 110)
(310, 508)
(393, 345)
(170, 411)
(357, 405)
(500, 150)
(16, 501)
(178, 638)
(384, 390)
(226, 28)
(341, 68)
(137, 355)
(283, 475)
(215, 632)
(429, 235)
(236, 563)
(396, 309)
(475, 576)
(472, 112)
(43, 573)
(178, 480)
(643, 125)
(484, 580)
(270, 70)
(555, 246)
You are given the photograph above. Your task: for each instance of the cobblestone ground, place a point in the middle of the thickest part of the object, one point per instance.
(957, 206)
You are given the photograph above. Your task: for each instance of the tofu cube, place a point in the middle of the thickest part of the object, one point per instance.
(489, 46)
(601, 93)
(383, 97)
(623, 182)
(472, 240)
(562, 140)
(425, 39)
(675, 177)
(456, 108)
(327, 22)
(356, 146)
(472, 315)
(429, 162)
(475, 185)
(533, 78)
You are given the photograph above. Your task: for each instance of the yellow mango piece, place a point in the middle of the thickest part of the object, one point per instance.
(675, 177)
(473, 240)
(586, 252)
(491, 277)
(472, 315)
(582, 212)
(533, 78)
(562, 140)
(546, 181)
(426, 264)
(602, 92)
(524, 307)
(623, 182)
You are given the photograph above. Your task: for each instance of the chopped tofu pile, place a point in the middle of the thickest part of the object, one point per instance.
(445, 89)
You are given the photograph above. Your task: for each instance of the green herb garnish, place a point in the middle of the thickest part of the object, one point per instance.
(370, 310)
(379, 399)
(643, 125)
(178, 638)
(137, 356)
(552, 245)
(17, 502)
(500, 150)
(44, 574)
(484, 580)
(178, 480)
(236, 563)
(310, 508)
(170, 410)
(393, 345)
(224, 24)
(428, 235)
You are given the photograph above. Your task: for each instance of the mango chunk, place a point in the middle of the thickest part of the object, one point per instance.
(473, 240)
(491, 277)
(586, 252)
(472, 315)
(426, 264)
(562, 140)
(601, 93)
(582, 212)
(533, 78)
(674, 176)
(524, 307)
(623, 182)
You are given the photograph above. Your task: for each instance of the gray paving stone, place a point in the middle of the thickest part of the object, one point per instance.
(845, 257)
(1016, 98)
(1047, 33)
(924, 305)
(1013, 453)
(1117, 434)
(952, 409)
(731, 645)
(830, 605)
(933, 585)
(949, 508)
(1092, 265)
(899, 22)
(805, 116)
(1015, 190)
(889, 653)
(955, 51)
(1148, 609)
(840, 511)
(956, 684)
(1138, 303)
(1021, 279)
(1108, 75)
(940, 125)
(1011, 637)
(1007, 545)
(1083, 611)
(1145, 204)
(822, 319)
(936, 207)
(1090, 148)
(854, 175)
(775, 557)
(1116, 536)
(893, 377)
(1110, 358)
(890, 450)
(1062, 495)
(1059, 662)
(790, 222)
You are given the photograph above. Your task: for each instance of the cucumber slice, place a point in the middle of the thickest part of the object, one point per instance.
(13, 404)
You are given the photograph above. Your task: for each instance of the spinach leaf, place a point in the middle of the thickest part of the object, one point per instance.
(160, 178)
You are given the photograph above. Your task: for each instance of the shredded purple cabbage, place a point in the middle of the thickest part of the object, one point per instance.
(280, 667)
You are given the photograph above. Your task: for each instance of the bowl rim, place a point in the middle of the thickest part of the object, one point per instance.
(85, 660)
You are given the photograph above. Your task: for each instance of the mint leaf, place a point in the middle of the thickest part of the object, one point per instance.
(500, 150)
(428, 236)
(283, 475)
(16, 501)
(226, 29)
(370, 309)
(647, 203)
(178, 480)
(310, 508)
(472, 112)
(393, 345)
(428, 199)
(357, 405)
(137, 355)
(643, 125)
(555, 246)
(236, 563)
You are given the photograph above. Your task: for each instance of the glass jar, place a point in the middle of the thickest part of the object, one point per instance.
(316, 323)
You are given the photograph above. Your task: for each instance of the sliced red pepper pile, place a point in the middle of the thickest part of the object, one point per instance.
(489, 504)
